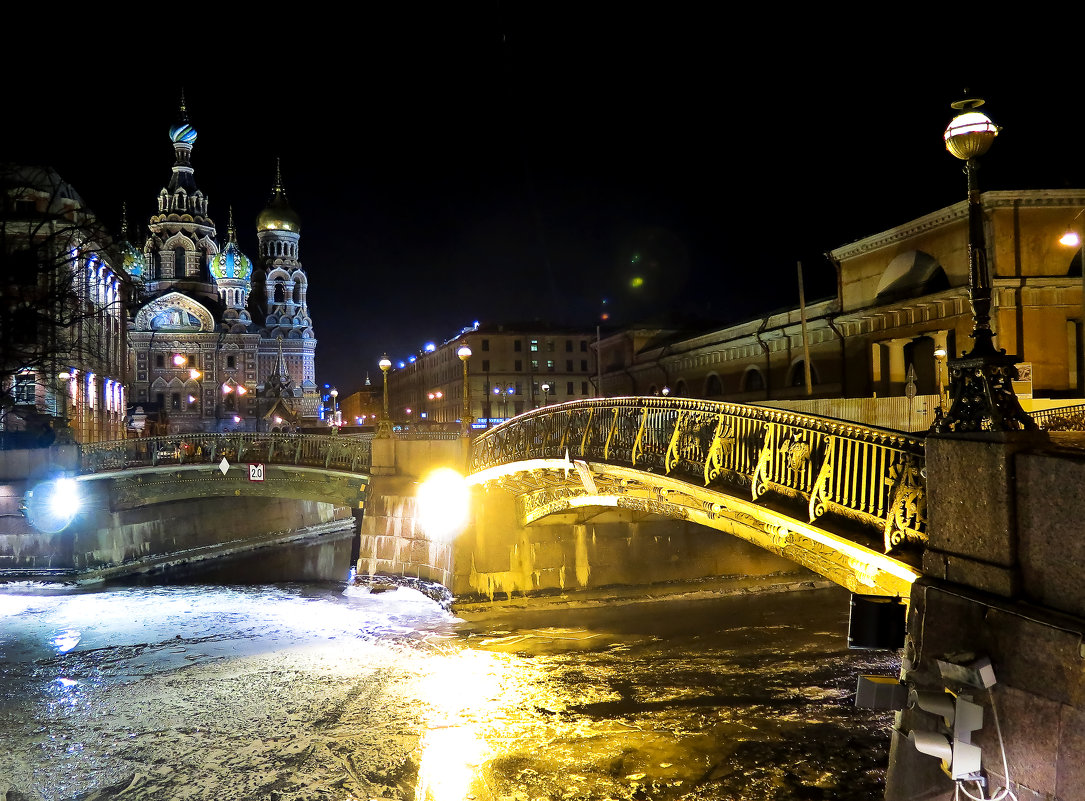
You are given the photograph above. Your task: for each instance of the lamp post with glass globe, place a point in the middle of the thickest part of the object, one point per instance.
(464, 352)
(981, 381)
(384, 425)
(546, 392)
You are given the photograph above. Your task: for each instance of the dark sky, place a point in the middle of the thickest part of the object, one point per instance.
(502, 162)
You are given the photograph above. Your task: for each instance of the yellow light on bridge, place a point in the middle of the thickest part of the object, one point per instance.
(443, 504)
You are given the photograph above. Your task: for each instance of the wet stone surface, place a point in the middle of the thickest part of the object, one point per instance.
(289, 692)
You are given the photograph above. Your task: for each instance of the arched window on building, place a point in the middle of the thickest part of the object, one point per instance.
(713, 386)
(798, 374)
(753, 380)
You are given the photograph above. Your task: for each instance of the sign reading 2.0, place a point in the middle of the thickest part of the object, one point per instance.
(256, 471)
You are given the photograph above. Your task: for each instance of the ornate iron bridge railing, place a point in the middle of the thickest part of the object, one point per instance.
(870, 475)
(309, 450)
(1063, 418)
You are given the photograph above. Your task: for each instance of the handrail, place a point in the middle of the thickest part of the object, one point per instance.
(1062, 418)
(868, 474)
(330, 452)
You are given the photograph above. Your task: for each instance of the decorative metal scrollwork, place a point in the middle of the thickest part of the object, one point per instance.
(764, 459)
(723, 442)
(798, 453)
(819, 493)
(907, 506)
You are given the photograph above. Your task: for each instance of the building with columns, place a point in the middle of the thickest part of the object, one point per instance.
(901, 309)
(214, 330)
(62, 315)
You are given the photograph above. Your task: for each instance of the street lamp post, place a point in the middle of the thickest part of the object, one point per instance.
(981, 381)
(546, 392)
(335, 407)
(509, 390)
(384, 425)
(1073, 238)
(464, 353)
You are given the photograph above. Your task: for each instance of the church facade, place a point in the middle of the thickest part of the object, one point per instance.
(218, 342)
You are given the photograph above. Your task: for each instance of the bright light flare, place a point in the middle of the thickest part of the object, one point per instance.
(52, 505)
(443, 504)
(1070, 239)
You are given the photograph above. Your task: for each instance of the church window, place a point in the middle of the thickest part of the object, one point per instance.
(280, 292)
(231, 362)
(159, 360)
(175, 401)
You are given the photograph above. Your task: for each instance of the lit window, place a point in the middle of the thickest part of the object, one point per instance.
(534, 346)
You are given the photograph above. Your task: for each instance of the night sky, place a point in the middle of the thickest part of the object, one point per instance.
(523, 162)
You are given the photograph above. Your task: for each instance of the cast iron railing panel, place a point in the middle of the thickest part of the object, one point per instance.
(870, 475)
(307, 450)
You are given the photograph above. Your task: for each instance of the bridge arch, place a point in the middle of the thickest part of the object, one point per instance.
(845, 501)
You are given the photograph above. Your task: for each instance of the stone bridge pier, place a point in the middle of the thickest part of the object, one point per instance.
(1005, 579)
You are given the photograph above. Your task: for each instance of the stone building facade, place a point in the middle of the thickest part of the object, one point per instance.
(63, 348)
(901, 309)
(513, 368)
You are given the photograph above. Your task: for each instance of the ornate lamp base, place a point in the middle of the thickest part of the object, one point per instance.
(384, 429)
(982, 396)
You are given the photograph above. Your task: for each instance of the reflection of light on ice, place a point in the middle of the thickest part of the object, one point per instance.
(449, 764)
(467, 695)
(66, 640)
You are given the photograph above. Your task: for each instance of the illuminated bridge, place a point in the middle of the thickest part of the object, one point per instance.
(845, 500)
(303, 466)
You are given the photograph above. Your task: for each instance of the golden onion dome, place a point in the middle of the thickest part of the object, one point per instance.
(278, 215)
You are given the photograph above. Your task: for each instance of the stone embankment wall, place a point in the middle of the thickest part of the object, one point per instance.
(1005, 578)
(281, 538)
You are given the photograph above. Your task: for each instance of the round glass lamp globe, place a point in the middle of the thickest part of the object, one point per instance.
(970, 135)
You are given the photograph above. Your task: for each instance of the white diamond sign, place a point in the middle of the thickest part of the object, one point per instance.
(224, 465)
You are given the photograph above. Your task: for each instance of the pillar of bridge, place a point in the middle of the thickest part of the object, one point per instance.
(1002, 580)
(383, 458)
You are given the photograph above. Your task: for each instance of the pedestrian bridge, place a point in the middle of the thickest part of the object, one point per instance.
(845, 500)
(183, 466)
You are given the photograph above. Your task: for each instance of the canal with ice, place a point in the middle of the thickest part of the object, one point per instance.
(315, 692)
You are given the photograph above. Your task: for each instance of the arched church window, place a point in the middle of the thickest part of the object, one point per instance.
(280, 292)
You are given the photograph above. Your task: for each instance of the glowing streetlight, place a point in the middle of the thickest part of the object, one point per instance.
(1072, 239)
(179, 360)
(981, 381)
(384, 425)
(464, 352)
(546, 392)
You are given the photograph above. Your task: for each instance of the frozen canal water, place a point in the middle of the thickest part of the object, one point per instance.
(304, 692)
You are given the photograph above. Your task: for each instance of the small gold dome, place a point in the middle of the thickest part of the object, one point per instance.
(278, 216)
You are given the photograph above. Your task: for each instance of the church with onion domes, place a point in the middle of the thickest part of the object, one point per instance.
(217, 341)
